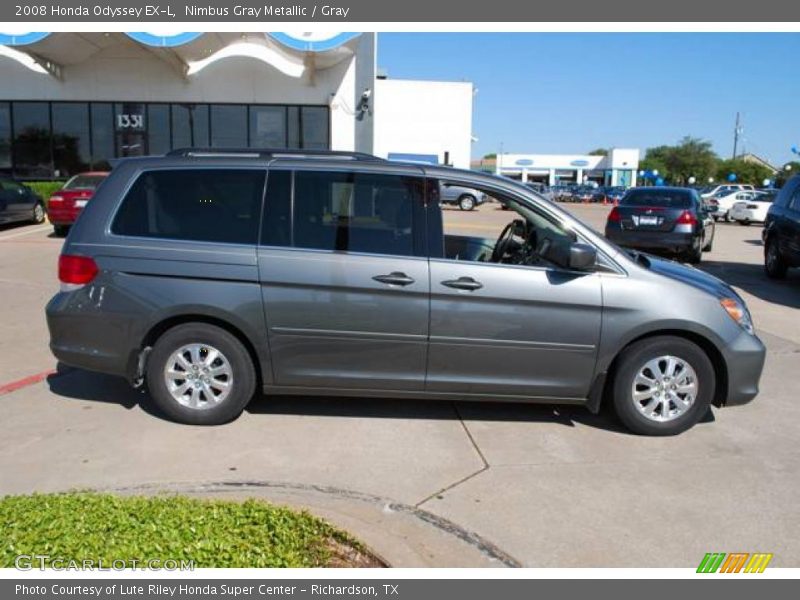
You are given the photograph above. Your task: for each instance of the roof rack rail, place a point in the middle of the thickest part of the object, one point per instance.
(271, 153)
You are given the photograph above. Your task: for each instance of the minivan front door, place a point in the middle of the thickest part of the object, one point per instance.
(510, 330)
(345, 280)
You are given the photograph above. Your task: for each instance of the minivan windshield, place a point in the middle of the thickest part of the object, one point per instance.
(658, 197)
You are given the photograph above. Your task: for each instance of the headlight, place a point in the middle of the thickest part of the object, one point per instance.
(738, 312)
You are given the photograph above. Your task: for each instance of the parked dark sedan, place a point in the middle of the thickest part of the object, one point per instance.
(19, 203)
(662, 219)
(782, 231)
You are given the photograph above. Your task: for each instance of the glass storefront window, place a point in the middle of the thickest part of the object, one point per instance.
(32, 139)
(268, 127)
(228, 126)
(158, 129)
(71, 144)
(102, 136)
(46, 140)
(189, 125)
(293, 139)
(314, 126)
(5, 137)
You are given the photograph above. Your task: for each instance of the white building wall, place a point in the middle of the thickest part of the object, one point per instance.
(424, 117)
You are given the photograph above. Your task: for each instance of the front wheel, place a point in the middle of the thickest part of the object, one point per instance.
(200, 374)
(774, 265)
(663, 385)
(746, 223)
(466, 203)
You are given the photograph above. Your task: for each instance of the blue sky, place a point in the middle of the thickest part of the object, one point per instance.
(572, 92)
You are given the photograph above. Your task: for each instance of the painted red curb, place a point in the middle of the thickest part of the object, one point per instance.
(13, 386)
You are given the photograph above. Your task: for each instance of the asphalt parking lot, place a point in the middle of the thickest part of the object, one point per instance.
(437, 483)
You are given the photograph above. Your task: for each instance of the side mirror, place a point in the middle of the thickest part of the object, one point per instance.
(582, 256)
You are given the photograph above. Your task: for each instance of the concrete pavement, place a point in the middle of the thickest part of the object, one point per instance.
(431, 484)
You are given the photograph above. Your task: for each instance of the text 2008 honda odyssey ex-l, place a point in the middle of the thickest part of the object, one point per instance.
(210, 275)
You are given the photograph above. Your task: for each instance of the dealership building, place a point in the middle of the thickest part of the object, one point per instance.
(618, 166)
(72, 102)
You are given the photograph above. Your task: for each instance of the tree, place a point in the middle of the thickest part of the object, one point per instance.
(692, 157)
(746, 172)
(490, 155)
(783, 175)
(599, 152)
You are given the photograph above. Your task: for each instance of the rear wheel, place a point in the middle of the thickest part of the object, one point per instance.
(466, 202)
(200, 374)
(774, 265)
(746, 222)
(663, 385)
(38, 213)
(728, 217)
(61, 230)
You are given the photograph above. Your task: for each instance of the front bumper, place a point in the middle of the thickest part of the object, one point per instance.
(745, 358)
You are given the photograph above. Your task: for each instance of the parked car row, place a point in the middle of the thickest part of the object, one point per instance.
(19, 203)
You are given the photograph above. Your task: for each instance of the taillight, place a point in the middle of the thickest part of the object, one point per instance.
(686, 218)
(75, 271)
(56, 198)
(614, 216)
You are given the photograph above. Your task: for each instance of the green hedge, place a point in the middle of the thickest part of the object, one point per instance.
(212, 533)
(45, 189)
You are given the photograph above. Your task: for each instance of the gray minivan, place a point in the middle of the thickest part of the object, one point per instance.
(209, 275)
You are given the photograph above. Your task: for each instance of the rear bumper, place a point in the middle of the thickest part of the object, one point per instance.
(78, 339)
(745, 359)
(63, 216)
(651, 240)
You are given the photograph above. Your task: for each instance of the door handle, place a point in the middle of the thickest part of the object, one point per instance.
(463, 283)
(394, 278)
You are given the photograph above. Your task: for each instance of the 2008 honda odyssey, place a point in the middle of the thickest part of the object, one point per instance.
(210, 275)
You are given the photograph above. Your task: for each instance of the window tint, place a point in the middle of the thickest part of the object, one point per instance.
(277, 227)
(228, 126)
(656, 197)
(359, 212)
(267, 127)
(794, 203)
(32, 150)
(211, 205)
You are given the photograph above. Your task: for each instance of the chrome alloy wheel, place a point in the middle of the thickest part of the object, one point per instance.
(198, 376)
(664, 388)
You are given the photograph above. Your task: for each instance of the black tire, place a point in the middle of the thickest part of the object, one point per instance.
(61, 230)
(631, 361)
(241, 364)
(728, 218)
(467, 202)
(746, 223)
(695, 254)
(38, 214)
(774, 264)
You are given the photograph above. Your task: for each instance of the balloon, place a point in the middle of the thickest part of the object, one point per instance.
(655, 172)
(732, 177)
(767, 182)
(710, 180)
(795, 150)
(692, 180)
(659, 181)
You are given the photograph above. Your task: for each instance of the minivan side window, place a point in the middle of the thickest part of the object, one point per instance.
(204, 205)
(344, 211)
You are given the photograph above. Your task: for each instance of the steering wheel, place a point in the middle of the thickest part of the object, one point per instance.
(504, 241)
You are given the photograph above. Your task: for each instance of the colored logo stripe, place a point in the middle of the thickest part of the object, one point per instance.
(736, 562)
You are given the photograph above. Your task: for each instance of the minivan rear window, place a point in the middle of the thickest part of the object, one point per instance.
(658, 197)
(205, 205)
